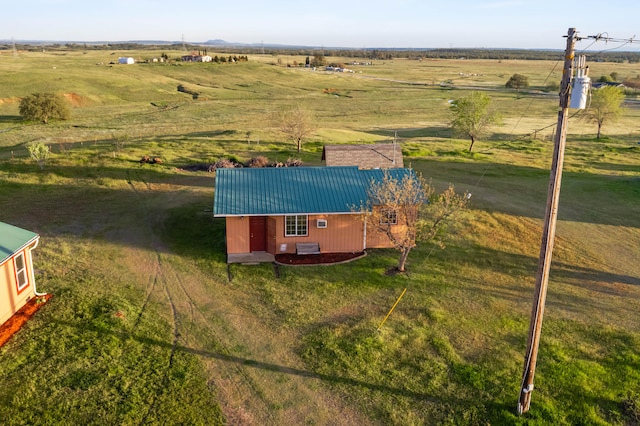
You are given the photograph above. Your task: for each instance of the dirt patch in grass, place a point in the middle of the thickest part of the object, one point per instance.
(9, 100)
(75, 99)
(15, 323)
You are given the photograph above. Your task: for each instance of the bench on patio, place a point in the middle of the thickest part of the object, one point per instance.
(307, 248)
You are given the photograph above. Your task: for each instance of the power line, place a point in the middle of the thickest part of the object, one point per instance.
(606, 38)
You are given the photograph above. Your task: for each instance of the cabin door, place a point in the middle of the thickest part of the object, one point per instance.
(258, 233)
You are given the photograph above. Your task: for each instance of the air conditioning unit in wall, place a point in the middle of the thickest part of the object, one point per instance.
(321, 223)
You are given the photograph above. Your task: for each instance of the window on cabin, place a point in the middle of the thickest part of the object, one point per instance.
(295, 225)
(21, 271)
(389, 217)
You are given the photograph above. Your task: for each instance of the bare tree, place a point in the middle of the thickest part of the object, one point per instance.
(408, 210)
(296, 124)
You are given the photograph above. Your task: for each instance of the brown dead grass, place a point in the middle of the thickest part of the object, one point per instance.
(9, 101)
(76, 100)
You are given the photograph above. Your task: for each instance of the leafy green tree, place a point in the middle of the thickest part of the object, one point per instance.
(318, 60)
(606, 105)
(40, 152)
(408, 211)
(518, 81)
(473, 116)
(43, 106)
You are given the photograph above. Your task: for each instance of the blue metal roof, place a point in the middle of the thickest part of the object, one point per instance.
(13, 239)
(292, 190)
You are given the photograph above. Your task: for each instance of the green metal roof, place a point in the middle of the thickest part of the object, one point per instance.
(13, 239)
(292, 190)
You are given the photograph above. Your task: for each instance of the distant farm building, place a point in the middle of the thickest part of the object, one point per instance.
(368, 156)
(196, 58)
(338, 69)
(126, 60)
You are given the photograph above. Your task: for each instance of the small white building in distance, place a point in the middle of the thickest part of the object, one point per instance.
(126, 60)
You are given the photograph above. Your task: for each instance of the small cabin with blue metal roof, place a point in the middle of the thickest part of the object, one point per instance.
(272, 211)
(17, 284)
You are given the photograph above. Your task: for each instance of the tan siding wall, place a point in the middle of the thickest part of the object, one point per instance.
(237, 235)
(10, 300)
(376, 239)
(343, 234)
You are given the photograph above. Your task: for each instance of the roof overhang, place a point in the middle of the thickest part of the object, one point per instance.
(6, 254)
(291, 214)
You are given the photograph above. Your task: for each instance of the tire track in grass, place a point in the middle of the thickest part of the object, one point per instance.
(245, 386)
(176, 334)
(158, 275)
(153, 280)
(225, 353)
(166, 274)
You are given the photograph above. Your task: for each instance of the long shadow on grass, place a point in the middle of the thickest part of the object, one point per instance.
(123, 336)
(131, 170)
(518, 265)
(415, 132)
(132, 215)
(617, 167)
(522, 191)
(10, 118)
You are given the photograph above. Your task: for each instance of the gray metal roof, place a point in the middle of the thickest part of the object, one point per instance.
(292, 190)
(367, 156)
(13, 240)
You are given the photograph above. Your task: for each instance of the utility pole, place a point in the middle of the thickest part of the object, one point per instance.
(549, 230)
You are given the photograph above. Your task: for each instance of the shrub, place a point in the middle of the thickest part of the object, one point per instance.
(259, 161)
(183, 89)
(293, 162)
(518, 81)
(224, 163)
(43, 106)
(40, 152)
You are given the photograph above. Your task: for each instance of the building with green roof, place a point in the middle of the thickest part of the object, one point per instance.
(269, 211)
(17, 284)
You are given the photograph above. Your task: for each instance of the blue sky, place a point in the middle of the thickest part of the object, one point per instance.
(328, 23)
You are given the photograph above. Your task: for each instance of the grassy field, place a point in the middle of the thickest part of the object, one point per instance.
(149, 325)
